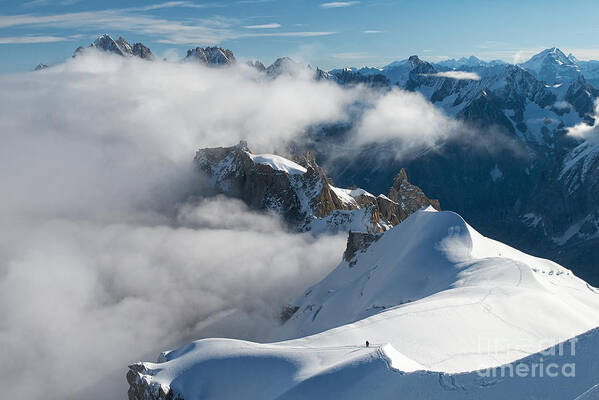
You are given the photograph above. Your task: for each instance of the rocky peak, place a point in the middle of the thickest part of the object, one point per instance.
(400, 178)
(108, 44)
(257, 65)
(410, 197)
(211, 56)
(414, 61)
(301, 192)
(141, 51)
(120, 47)
(347, 76)
(284, 66)
(321, 75)
(553, 66)
(124, 45)
(40, 66)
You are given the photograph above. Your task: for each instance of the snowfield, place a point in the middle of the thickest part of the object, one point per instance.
(445, 309)
(278, 163)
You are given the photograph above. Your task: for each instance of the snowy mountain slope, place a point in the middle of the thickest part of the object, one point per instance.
(471, 62)
(590, 70)
(532, 100)
(507, 96)
(553, 66)
(287, 371)
(435, 267)
(302, 194)
(474, 304)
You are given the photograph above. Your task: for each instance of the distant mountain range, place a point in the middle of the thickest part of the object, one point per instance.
(542, 195)
(520, 178)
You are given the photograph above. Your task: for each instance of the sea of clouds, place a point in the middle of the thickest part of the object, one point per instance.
(103, 262)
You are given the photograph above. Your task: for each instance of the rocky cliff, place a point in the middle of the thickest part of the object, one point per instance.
(120, 47)
(303, 195)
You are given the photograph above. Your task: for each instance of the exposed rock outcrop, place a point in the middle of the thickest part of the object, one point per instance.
(410, 197)
(302, 194)
(211, 56)
(141, 387)
(120, 47)
(357, 241)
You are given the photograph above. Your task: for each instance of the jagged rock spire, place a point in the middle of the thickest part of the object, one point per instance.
(211, 56)
(121, 47)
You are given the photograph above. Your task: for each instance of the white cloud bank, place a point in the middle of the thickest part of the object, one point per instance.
(263, 26)
(93, 275)
(473, 76)
(339, 4)
(100, 263)
(405, 118)
(585, 131)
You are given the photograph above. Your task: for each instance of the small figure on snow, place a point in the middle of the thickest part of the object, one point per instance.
(367, 343)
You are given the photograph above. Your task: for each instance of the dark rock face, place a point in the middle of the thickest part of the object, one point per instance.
(284, 66)
(348, 77)
(305, 199)
(287, 313)
(141, 51)
(257, 65)
(357, 241)
(40, 66)
(211, 56)
(581, 95)
(259, 186)
(410, 197)
(141, 389)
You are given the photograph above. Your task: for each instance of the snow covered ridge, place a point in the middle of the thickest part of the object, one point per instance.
(303, 195)
(448, 313)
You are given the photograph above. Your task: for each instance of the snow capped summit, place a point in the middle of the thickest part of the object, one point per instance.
(443, 258)
(471, 61)
(107, 43)
(415, 61)
(551, 55)
(284, 66)
(439, 304)
(553, 66)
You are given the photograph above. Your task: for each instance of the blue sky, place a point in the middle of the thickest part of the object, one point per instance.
(323, 33)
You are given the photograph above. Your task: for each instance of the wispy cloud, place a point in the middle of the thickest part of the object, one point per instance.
(209, 31)
(338, 4)
(458, 75)
(253, 1)
(40, 3)
(199, 31)
(174, 4)
(31, 39)
(289, 34)
(351, 56)
(263, 26)
(371, 32)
